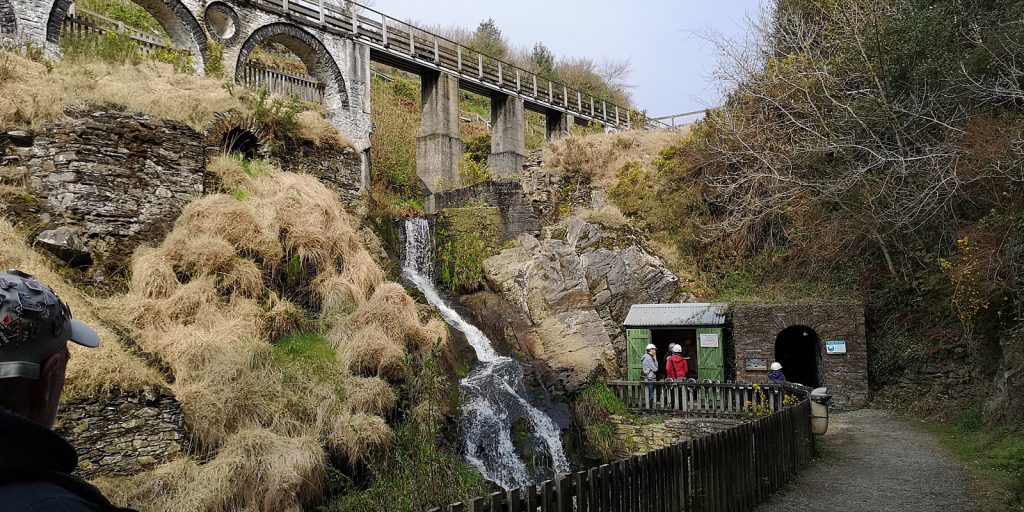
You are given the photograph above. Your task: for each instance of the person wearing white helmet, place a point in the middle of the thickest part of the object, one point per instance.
(650, 370)
(776, 376)
(675, 370)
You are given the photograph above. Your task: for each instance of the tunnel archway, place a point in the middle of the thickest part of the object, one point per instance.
(798, 349)
(8, 21)
(172, 15)
(310, 50)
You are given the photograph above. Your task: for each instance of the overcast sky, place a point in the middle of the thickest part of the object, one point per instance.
(672, 66)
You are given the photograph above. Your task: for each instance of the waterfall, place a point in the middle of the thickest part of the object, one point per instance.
(493, 397)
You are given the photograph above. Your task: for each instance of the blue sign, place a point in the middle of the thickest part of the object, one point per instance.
(835, 347)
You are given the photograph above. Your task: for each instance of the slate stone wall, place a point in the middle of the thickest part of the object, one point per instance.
(755, 327)
(343, 170)
(517, 215)
(124, 434)
(640, 439)
(105, 181)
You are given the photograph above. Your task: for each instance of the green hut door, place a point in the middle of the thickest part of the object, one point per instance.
(709, 354)
(636, 341)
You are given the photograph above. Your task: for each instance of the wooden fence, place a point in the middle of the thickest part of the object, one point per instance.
(84, 23)
(733, 470)
(703, 399)
(305, 88)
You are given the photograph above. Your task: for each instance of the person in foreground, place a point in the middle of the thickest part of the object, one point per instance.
(35, 462)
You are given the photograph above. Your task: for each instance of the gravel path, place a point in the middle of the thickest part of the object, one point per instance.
(873, 462)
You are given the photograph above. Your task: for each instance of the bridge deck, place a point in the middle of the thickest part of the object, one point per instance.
(409, 48)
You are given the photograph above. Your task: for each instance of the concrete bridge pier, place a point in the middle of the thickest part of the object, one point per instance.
(559, 125)
(508, 136)
(439, 146)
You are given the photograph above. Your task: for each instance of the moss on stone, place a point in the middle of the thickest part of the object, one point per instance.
(465, 238)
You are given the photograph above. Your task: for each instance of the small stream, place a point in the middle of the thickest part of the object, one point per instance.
(493, 395)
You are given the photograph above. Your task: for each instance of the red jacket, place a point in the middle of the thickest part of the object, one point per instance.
(676, 367)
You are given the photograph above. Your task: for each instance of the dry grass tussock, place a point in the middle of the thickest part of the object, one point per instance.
(319, 132)
(256, 470)
(599, 156)
(212, 299)
(35, 95)
(91, 371)
(375, 338)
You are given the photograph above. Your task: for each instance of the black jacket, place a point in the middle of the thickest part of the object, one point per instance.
(35, 471)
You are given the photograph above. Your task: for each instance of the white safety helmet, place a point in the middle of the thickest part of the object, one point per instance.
(776, 366)
(650, 346)
(677, 348)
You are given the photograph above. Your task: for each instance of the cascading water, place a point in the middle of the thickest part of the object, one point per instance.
(493, 395)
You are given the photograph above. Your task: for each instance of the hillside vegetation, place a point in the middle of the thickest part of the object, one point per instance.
(871, 150)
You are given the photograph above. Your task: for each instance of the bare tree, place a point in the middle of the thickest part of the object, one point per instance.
(812, 119)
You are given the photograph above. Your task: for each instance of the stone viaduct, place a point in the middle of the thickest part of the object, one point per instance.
(337, 44)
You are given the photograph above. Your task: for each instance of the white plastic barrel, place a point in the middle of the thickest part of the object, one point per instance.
(819, 410)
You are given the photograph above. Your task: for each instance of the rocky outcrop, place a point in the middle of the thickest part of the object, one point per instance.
(575, 285)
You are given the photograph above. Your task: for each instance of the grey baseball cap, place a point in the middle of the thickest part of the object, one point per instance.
(34, 325)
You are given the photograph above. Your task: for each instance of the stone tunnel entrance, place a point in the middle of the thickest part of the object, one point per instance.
(797, 348)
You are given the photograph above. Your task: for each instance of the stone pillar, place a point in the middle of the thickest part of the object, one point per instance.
(439, 146)
(508, 136)
(559, 124)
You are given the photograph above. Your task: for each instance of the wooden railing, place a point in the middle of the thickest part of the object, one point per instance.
(83, 23)
(703, 399)
(401, 41)
(282, 83)
(732, 470)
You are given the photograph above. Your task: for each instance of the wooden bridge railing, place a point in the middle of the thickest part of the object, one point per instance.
(305, 88)
(732, 470)
(83, 22)
(397, 40)
(703, 399)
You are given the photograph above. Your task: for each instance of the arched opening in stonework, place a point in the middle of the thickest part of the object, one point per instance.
(290, 61)
(798, 350)
(8, 22)
(173, 17)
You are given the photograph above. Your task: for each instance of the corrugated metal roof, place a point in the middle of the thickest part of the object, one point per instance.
(676, 315)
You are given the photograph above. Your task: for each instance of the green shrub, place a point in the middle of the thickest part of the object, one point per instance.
(396, 121)
(592, 409)
(471, 171)
(465, 238)
(279, 117)
(215, 58)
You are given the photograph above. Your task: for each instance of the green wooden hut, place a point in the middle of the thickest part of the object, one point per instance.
(697, 327)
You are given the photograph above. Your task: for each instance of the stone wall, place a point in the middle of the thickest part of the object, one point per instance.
(640, 439)
(340, 169)
(517, 215)
(755, 327)
(124, 434)
(105, 181)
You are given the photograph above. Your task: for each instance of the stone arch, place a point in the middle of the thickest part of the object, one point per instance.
(798, 349)
(234, 132)
(172, 15)
(8, 22)
(306, 47)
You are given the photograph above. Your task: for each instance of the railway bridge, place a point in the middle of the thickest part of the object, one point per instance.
(337, 45)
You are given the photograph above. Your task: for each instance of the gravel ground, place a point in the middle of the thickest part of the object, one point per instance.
(873, 462)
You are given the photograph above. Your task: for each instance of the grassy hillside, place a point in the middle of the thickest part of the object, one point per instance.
(304, 376)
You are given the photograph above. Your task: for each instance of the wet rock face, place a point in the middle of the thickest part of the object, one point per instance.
(124, 434)
(575, 285)
(105, 181)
